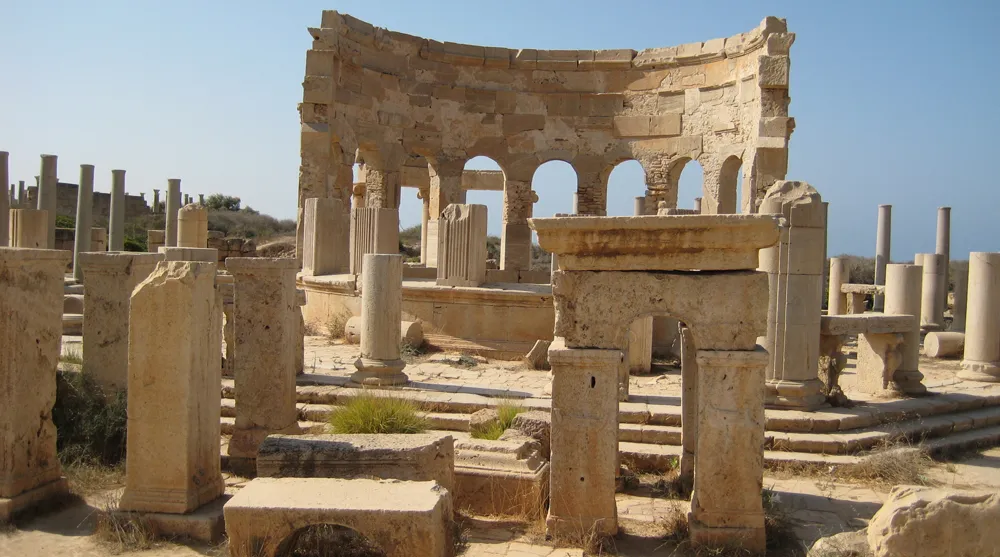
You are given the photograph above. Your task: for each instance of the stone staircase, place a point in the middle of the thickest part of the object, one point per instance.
(650, 432)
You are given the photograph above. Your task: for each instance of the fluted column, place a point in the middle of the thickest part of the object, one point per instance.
(445, 189)
(462, 245)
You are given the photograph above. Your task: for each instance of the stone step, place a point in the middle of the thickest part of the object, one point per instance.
(307, 427)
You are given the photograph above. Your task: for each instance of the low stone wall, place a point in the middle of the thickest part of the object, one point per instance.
(232, 247)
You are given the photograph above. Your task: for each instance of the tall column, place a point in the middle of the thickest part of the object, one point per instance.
(381, 312)
(173, 206)
(156, 201)
(640, 332)
(730, 446)
(839, 274)
(462, 246)
(22, 195)
(48, 183)
(326, 237)
(584, 449)
(982, 325)
(84, 208)
(425, 212)
(192, 226)
(883, 244)
(201, 199)
(31, 302)
(265, 325)
(961, 300)
(943, 247)
(515, 237)
(110, 279)
(931, 303)
(173, 378)
(445, 189)
(903, 286)
(689, 404)
(5, 202)
(116, 222)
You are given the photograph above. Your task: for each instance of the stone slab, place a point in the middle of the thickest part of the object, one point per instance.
(204, 524)
(10, 507)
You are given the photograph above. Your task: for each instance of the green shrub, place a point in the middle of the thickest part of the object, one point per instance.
(90, 425)
(507, 410)
(135, 243)
(63, 221)
(246, 223)
(370, 413)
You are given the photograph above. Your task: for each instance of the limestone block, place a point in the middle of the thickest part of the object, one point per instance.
(856, 303)
(204, 255)
(411, 333)
(192, 226)
(326, 239)
(537, 425)
(538, 356)
(31, 300)
(772, 72)
(841, 325)
(640, 345)
(28, 228)
(155, 239)
(481, 420)
(409, 457)
(110, 278)
(174, 404)
(879, 357)
(503, 477)
(943, 344)
(928, 522)
(402, 518)
(373, 230)
(844, 544)
(98, 239)
(515, 247)
(461, 257)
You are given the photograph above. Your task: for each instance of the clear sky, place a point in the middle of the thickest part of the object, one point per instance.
(891, 99)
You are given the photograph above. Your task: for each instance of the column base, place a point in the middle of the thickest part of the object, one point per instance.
(243, 447)
(974, 370)
(204, 524)
(796, 395)
(33, 498)
(379, 373)
(909, 382)
(170, 501)
(753, 539)
(580, 528)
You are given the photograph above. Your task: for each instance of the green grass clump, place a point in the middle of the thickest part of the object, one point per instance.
(71, 357)
(507, 410)
(369, 413)
(90, 423)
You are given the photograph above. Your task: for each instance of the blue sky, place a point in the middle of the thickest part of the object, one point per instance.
(891, 99)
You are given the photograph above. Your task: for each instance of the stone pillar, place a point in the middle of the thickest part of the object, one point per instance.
(326, 237)
(381, 312)
(22, 195)
(640, 346)
(931, 303)
(883, 244)
(942, 344)
(264, 354)
(982, 326)
(156, 201)
(173, 206)
(224, 283)
(730, 446)
(29, 228)
(902, 297)
(697, 205)
(425, 206)
(192, 227)
(5, 202)
(84, 208)
(639, 208)
(31, 303)
(116, 223)
(99, 239)
(110, 279)
(795, 277)
(462, 245)
(155, 239)
(839, 274)
(584, 460)
(173, 377)
(958, 311)
(576, 203)
(515, 237)
(201, 199)
(358, 195)
(689, 404)
(445, 189)
(943, 247)
(48, 183)
(373, 230)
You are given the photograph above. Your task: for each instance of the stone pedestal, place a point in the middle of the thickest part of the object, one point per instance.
(204, 255)
(640, 345)
(173, 206)
(265, 329)
(31, 302)
(192, 227)
(29, 228)
(879, 356)
(375, 230)
(931, 302)
(982, 325)
(110, 279)
(381, 312)
(48, 183)
(959, 309)
(584, 448)
(326, 237)
(5, 202)
(84, 220)
(116, 222)
(839, 274)
(883, 244)
(902, 297)
(729, 459)
(99, 239)
(515, 246)
(173, 398)
(461, 258)
(155, 239)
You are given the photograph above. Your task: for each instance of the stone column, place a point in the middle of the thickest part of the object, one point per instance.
(173, 377)
(958, 311)
(515, 237)
(98, 239)
(5, 202)
(264, 354)
(730, 446)
(639, 208)
(358, 195)
(576, 203)
(883, 244)
(29, 228)
(84, 207)
(173, 206)
(795, 277)
(902, 297)
(31, 303)
(48, 183)
(839, 274)
(110, 279)
(689, 404)
(931, 303)
(116, 222)
(445, 189)
(373, 230)
(22, 195)
(462, 245)
(943, 247)
(697, 205)
(425, 212)
(326, 237)
(982, 326)
(192, 226)
(201, 199)
(640, 332)
(584, 449)
(156, 201)
(381, 312)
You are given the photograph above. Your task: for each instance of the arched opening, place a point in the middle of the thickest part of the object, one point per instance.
(626, 182)
(555, 182)
(484, 181)
(730, 184)
(690, 183)
(327, 540)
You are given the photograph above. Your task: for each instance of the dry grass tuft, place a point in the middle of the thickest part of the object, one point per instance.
(888, 467)
(122, 532)
(507, 409)
(335, 325)
(370, 413)
(327, 540)
(86, 476)
(71, 356)
(675, 523)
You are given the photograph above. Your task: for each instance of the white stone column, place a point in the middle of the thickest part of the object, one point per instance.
(110, 279)
(584, 444)
(943, 247)
(931, 303)
(961, 300)
(173, 206)
(461, 257)
(173, 377)
(84, 208)
(5, 202)
(697, 205)
(839, 274)
(326, 237)
(48, 183)
(192, 226)
(265, 327)
(883, 244)
(425, 216)
(116, 220)
(903, 287)
(373, 230)
(381, 312)
(31, 303)
(982, 325)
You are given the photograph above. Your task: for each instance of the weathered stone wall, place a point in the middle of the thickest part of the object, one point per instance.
(66, 195)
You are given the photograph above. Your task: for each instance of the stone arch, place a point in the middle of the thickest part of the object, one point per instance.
(493, 199)
(553, 173)
(322, 537)
(729, 186)
(684, 189)
(618, 177)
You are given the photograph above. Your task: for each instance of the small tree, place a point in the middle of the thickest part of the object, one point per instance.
(219, 202)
